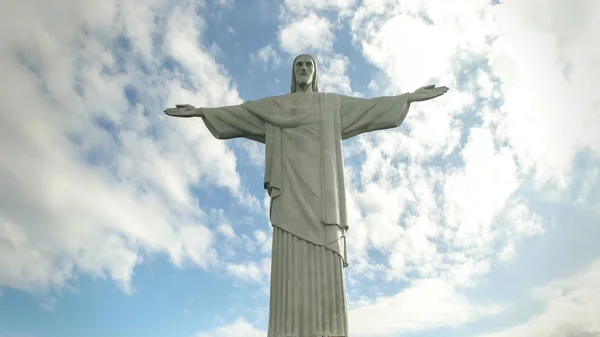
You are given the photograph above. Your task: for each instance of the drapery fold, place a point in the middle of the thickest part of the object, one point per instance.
(308, 295)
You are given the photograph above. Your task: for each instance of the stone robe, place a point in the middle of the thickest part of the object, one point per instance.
(304, 176)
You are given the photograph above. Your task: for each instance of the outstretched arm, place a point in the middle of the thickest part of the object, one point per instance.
(359, 115)
(184, 110)
(225, 122)
(426, 93)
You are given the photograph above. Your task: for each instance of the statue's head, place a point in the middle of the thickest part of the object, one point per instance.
(304, 72)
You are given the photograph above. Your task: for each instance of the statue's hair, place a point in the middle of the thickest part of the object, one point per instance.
(315, 80)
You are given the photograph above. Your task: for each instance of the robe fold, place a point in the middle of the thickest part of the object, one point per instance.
(304, 177)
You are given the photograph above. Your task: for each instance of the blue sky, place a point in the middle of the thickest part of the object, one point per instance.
(476, 217)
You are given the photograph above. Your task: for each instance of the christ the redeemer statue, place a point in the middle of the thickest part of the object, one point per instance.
(304, 176)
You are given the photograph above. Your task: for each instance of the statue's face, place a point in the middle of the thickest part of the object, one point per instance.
(304, 69)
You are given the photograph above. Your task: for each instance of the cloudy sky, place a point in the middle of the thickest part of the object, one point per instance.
(479, 216)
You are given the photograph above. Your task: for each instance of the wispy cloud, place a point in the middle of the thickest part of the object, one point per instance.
(306, 34)
(94, 177)
(267, 55)
(238, 328)
(570, 307)
(428, 304)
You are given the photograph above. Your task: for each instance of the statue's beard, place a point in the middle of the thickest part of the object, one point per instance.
(303, 81)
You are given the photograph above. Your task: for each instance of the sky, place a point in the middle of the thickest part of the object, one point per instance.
(478, 216)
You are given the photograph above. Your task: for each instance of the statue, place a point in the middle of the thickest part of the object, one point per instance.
(304, 177)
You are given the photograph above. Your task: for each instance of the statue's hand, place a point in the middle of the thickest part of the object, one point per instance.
(183, 110)
(426, 93)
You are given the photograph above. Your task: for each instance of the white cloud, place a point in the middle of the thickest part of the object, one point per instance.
(266, 55)
(264, 241)
(77, 196)
(255, 152)
(431, 129)
(222, 224)
(395, 37)
(431, 47)
(236, 329)
(469, 206)
(254, 272)
(305, 35)
(226, 3)
(485, 83)
(226, 230)
(302, 6)
(588, 196)
(427, 304)
(434, 222)
(548, 63)
(332, 74)
(570, 307)
(49, 303)
(508, 251)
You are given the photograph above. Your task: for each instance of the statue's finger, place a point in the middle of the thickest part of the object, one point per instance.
(180, 105)
(430, 86)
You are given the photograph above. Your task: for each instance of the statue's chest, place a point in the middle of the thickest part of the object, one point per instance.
(295, 110)
(311, 128)
(301, 104)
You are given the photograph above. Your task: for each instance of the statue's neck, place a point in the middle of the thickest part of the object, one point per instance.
(304, 87)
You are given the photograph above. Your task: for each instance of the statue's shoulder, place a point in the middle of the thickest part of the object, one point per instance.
(332, 95)
(284, 97)
(290, 98)
(267, 103)
(270, 99)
